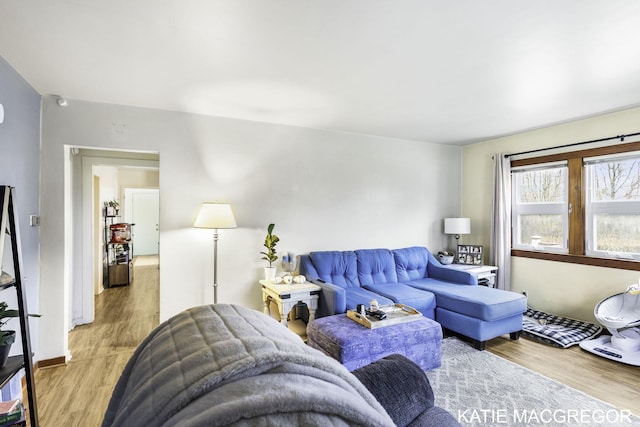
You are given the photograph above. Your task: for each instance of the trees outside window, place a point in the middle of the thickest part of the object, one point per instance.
(613, 207)
(540, 212)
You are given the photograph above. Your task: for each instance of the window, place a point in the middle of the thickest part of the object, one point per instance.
(540, 208)
(579, 207)
(613, 206)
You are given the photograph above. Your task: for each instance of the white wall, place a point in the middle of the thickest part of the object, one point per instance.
(323, 190)
(567, 289)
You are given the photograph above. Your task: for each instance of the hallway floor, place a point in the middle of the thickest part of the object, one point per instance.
(78, 393)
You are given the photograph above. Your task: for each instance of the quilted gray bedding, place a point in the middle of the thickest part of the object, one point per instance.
(223, 365)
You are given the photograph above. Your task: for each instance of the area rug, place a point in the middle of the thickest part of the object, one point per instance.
(481, 389)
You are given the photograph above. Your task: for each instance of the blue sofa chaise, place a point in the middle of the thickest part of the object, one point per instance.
(413, 276)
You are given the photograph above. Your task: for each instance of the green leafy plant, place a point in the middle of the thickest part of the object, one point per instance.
(8, 337)
(270, 243)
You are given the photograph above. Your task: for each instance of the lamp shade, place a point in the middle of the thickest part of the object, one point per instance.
(215, 215)
(457, 225)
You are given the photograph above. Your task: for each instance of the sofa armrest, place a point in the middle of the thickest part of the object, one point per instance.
(403, 389)
(438, 271)
(332, 300)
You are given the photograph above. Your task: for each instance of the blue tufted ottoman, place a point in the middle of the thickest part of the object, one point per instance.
(355, 345)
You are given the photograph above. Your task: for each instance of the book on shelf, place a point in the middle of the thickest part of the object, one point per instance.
(9, 406)
(13, 415)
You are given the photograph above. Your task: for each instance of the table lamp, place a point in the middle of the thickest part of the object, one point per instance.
(457, 226)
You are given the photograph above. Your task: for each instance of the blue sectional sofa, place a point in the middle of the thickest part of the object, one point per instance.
(413, 276)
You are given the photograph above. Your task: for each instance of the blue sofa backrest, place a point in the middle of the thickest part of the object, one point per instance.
(411, 263)
(376, 266)
(339, 268)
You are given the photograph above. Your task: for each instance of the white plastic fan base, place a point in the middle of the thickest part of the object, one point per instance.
(603, 347)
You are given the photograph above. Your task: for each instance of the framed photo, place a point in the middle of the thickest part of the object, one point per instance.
(469, 254)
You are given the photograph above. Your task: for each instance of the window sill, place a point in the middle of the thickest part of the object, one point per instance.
(579, 259)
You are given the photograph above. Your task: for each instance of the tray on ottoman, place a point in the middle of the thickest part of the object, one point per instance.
(355, 345)
(396, 313)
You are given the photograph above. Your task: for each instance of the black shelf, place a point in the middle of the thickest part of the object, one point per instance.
(13, 366)
(8, 221)
(117, 257)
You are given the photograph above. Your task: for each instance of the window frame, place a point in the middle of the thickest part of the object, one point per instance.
(541, 208)
(613, 207)
(577, 204)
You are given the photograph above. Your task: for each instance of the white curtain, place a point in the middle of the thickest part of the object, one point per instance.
(500, 254)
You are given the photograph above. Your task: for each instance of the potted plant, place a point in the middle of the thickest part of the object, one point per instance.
(270, 255)
(7, 338)
(112, 207)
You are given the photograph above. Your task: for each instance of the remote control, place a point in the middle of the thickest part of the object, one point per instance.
(378, 314)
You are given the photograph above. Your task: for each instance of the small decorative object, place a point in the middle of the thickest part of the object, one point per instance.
(445, 257)
(277, 280)
(288, 262)
(113, 207)
(361, 310)
(270, 255)
(470, 254)
(300, 279)
(373, 305)
(287, 279)
(7, 338)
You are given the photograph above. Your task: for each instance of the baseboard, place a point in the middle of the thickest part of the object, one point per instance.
(47, 363)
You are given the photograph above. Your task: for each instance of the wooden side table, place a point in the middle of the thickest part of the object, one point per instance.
(287, 296)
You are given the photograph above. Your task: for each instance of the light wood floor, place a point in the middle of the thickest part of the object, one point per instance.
(610, 381)
(77, 394)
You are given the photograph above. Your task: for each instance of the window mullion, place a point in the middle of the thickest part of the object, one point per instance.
(576, 207)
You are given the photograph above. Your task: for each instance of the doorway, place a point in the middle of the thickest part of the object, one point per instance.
(111, 172)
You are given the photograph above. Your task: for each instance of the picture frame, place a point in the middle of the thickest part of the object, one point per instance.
(470, 255)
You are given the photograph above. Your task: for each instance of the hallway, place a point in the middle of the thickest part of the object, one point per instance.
(78, 394)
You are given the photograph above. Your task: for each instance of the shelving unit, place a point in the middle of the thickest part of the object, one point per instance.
(9, 221)
(118, 257)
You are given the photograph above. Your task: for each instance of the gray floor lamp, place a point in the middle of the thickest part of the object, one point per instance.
(215, 215)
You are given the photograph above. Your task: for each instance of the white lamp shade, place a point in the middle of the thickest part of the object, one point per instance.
(457, 225)
(215, 215)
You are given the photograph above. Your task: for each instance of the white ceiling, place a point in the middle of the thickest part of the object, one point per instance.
(455, 71)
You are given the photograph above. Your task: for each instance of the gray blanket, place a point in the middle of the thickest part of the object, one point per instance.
(225, 365)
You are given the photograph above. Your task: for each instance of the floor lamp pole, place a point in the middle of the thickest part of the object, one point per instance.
(215, 265)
